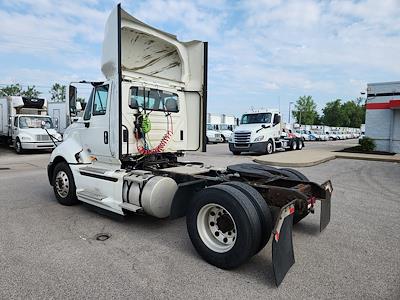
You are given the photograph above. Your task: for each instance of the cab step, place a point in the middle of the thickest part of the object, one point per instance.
(130, 207)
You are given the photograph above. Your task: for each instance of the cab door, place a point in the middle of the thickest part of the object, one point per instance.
(95, 132)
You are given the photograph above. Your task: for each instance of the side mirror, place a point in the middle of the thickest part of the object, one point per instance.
(277, 119)
(72, 101)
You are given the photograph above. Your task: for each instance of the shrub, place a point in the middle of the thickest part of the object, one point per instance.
(367, 144)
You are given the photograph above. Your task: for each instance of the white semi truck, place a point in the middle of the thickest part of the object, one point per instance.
(261, 131)
(24, 124)
(123, 155)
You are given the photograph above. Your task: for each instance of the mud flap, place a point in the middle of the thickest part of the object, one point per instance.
(326, 206)
(282, 244)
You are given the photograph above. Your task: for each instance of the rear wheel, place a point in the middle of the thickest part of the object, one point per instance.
(223, 226)
(263, 210)
(293, 146)
(300, 145)
(64, 185)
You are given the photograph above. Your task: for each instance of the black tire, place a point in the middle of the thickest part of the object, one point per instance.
(293, 145)
(236, 152)
(244, 216)
(69, 198)
(263, 210)
(300, 145)
(18, 146)
(207, 140)
(223, 138)
(298, 215)
(270, 147)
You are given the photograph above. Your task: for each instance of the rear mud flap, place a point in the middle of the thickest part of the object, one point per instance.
(282, 244)
(326, 206)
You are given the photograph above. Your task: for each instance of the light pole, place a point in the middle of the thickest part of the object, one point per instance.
(290, 104)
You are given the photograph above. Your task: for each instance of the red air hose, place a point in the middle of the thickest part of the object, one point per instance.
(163, 143)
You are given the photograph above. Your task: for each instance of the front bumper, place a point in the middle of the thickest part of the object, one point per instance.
(259, 147)
(37, 145)
(215, 139)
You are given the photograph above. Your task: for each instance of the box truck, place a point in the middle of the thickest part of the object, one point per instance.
(25, 124)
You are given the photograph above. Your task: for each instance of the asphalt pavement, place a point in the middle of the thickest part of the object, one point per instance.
(50, 251)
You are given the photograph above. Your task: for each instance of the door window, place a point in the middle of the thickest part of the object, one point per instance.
(88, 108)
(100, 100)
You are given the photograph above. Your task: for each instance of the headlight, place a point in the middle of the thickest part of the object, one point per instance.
(26, 138)
(259, 138)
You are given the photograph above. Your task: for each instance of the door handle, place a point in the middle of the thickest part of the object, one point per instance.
(105, 137)
(87, 124)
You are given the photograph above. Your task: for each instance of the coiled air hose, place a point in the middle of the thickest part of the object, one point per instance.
(144, 127)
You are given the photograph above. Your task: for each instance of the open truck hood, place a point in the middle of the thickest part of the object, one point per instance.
(136, 52)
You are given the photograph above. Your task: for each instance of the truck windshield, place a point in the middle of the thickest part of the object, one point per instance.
(256, 118)
(35, 122)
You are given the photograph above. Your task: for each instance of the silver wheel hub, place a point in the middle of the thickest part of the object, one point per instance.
(269, 147)
(216, 227)
(62, 184)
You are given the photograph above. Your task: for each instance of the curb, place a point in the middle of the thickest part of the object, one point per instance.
(295, 164)
(320, 161)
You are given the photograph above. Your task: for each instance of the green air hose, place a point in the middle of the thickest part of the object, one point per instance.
(146, 124)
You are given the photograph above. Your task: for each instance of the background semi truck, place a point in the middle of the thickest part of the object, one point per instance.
(261, 131)
(24, 124)
(125, 153)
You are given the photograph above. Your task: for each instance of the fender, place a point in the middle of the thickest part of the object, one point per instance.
(70, 151)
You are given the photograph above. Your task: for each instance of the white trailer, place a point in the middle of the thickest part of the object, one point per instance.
(25, 124)
(122, 155)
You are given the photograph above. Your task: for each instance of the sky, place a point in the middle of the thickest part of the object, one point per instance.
(262, 53)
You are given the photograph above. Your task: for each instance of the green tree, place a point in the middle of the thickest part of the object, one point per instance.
(17, 90)
(57, 93)
(305, 110)
(333, 114)
(347, 114)
(31, 92)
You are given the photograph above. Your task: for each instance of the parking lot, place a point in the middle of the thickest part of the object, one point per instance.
(48, 250)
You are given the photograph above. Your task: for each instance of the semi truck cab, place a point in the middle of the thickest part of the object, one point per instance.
(125, 153)
(260, 131)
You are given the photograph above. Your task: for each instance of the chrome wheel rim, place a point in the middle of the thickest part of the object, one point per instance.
(18, 146)
(294, 146)
(216, 228)
(269, 148)
(62, 184)
(300, 145)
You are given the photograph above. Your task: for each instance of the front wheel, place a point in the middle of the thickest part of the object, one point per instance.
(236, 152)
(18, 146)
(270, 147)
(64, 185)
(223, 226)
